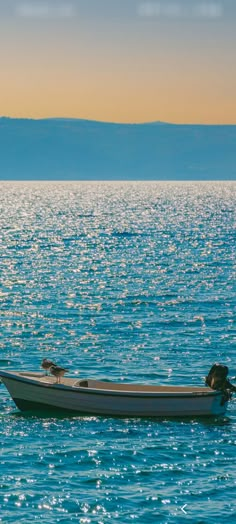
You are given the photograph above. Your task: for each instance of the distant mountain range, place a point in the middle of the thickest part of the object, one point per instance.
(67, 149)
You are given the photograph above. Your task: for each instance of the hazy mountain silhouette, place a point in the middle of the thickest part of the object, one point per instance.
(72, 149)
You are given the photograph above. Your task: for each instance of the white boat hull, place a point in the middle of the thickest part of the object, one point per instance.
(31, 391)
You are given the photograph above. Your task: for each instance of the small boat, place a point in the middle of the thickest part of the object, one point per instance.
(36, 391)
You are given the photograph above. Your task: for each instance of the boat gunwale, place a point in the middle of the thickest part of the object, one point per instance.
(109, 392)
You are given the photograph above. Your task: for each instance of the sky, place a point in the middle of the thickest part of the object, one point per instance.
(119, 60)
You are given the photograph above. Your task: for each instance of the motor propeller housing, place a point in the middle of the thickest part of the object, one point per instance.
(217, 378)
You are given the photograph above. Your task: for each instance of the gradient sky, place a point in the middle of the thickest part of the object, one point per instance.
(119, 60)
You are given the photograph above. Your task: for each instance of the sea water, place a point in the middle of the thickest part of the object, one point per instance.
(121, 281)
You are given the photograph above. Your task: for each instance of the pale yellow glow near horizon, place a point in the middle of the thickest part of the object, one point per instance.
(170, 95)
(179, 102)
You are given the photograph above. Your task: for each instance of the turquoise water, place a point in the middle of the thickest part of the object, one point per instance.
(131, 282)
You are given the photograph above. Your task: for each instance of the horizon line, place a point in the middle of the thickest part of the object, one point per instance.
(149, 122)
(119, 180)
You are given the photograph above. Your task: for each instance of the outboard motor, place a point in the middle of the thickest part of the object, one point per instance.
(217, 378)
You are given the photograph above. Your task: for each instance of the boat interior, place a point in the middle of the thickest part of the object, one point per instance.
(109, 385)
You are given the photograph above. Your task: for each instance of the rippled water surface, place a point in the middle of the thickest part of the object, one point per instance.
(131, 282)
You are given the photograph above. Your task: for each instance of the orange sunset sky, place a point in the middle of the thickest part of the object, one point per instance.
(122, 61)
